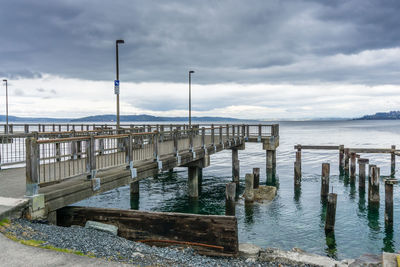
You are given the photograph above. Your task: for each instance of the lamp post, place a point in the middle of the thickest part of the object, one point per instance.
(190, 98)
(117, 78)
(6, 106)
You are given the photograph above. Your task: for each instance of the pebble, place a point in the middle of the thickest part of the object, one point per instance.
(107, 246)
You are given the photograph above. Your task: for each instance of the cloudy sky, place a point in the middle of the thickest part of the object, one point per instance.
(253, 59)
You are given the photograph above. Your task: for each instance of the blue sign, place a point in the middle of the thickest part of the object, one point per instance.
(116, 87)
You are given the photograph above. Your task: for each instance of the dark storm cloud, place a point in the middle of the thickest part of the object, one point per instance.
(224, 41)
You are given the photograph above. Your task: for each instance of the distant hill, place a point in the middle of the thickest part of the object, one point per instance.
(391, 115)
(112, 118)
(143, 117)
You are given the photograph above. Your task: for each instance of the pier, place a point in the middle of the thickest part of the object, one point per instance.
(64, 164)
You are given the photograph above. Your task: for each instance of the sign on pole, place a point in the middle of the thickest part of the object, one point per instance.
(116, 87)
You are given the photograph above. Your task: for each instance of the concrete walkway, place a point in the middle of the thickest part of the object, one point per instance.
(12, 190)
(15, 254)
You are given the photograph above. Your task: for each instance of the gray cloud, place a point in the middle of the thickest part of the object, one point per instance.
(224, 41)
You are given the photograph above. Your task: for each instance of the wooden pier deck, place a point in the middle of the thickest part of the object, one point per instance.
(62, 168)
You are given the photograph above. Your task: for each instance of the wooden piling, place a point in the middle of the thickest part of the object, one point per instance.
(235, 166)
(134, 189)
(352, 167)
(331, 212)
(346, 160)
(325, 180)
(393, 161)
(361, 173)
(249, 189)
(297, 167)
(389, 200)
(373, 190)
(230, 195)
(256, 173)
(193, 181)
(341, 158)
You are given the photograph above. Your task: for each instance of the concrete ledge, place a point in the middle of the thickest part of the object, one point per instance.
(12, 207)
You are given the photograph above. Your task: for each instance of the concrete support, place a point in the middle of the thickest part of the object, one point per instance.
(134, 195)
(134, 188)
(235, 166)
(256, 174)
(270, 159)
(249, 189)
(230, 195)
(325, 180)
(193, 181)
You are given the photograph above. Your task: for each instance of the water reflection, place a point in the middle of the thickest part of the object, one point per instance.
(249, 213)
(361, 201)
(388, 243)
(272, 179)
(297, 196)
(352, 189)
(373, 217)
(134, 201)
(323, 203)
(330, 244)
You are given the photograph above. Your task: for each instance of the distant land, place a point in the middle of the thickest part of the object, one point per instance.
(391, 115)
(112, 118)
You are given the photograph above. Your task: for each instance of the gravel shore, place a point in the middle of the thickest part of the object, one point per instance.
(113, 248)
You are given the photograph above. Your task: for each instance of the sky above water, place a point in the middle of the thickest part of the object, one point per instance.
(252, 59)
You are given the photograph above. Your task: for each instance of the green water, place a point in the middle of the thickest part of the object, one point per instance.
(296, 217)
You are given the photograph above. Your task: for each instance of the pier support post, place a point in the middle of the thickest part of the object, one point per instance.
(134, 189)
(235, 166)
(361, 173)
(352, 167)
(346, 161)
(331, 212)
(256, 174)
(393, 161)
(270, 156)
(270, 144)
(341, 159)
(297, 167)
(325, 180)
(373, 190)
(389, 200)
(193, 181)
(134, 195)
(249, 189)
(230, 195)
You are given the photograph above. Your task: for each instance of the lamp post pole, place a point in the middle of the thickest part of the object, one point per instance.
(117, 78)
(6, 106)
(190, 98)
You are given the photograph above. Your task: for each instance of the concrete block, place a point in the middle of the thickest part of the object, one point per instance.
(249, 250)
(389, 259)
(112, 229)
(37, 202)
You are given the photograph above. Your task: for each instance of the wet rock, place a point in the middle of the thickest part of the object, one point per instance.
(369, 260)
(389, 259)
(112, 229)
(264, 194)
(249, 250)
(296, 258)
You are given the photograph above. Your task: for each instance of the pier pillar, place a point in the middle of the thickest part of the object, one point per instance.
(297, 167)
(230, 195)
(256, 174)
(235, 166)
(331, 212)
(341, 159)
(135, 188)
(393, 161)
(352, 167)
(270, 144)
(270, 159)
(249, 189)
(361, 173)
(389, 200)
(373, 190)
(346, 161)
(193, 181)
(134, 195)
(325, 180)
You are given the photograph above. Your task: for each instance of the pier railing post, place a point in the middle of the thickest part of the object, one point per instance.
(393, 161)
(176, 142)
(128, 148)
(331, 212)
(248, 131)
(191, 133)
(230, 195)
(212, 134)
(26, 128)
(373, 190)
(32, 166)
(220, 135)
(203, 137)
(91, 157)
(155, 146)
(325, 180)
(227, 131)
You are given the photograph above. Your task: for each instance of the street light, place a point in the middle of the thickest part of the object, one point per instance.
(6, 105)
(190, 98)
(116, 84)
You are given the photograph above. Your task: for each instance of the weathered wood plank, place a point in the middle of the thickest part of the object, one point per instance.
(139, 225)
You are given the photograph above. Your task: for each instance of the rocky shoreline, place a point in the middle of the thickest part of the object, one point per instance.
(99, 244)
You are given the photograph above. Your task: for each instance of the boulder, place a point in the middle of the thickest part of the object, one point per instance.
(264, 193)
(249, 250)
